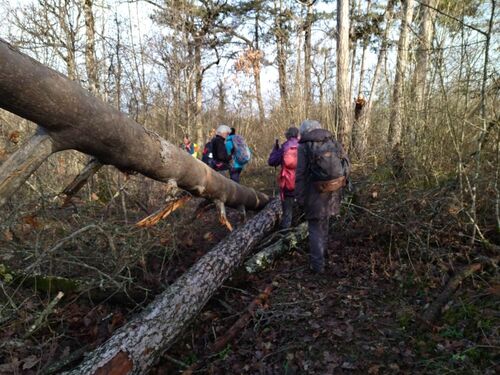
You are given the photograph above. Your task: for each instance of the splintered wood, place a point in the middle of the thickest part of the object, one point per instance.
(165, 212)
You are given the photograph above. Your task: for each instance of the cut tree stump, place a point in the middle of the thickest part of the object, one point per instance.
(22, 163)
(136, 346)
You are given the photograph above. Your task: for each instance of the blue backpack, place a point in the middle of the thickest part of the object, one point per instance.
(242, 152)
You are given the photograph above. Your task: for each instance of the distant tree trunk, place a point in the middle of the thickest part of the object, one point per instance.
(69, 40)
(90, 57)
(198, 93)
(343, 94)
(281, 46)
(362, 125)
(221, 110)
(308, 56)
(422, 55)
(396, 117)
(256, 66)
(365, 42)
(75, 119)
(353, 47)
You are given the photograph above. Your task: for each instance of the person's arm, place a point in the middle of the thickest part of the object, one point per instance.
(301, 172)
(276, 157)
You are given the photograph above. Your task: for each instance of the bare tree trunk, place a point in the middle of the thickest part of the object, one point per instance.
(365, 43)
(21, 164)
(198, 93)
(76, 120)
(256, 74)
(343, 94)
(136, 346)
(396, 118)
(360, 136)
(90, 58)
(81, 179)
(422, 56)
(308, 57)
(281, 44)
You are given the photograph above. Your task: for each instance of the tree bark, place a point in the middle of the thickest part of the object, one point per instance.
(422, 55)
(75, 119)
(343, 93)
(360, 136)
(308, 56)
(281, 45)
(21, 164)
(396, 117)
(135, 347)
(90, 57)
(266, 257)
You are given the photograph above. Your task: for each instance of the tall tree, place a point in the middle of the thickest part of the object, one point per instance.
(90, 56)
(396, 117)
(361, 126)
(344, 124)
(422, 55)
(281, 35)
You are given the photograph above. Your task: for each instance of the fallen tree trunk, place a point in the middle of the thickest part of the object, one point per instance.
(135, 347)
(75, 119)
(288, 241)
(22, 163)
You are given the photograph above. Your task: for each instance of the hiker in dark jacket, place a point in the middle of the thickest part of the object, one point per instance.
(221, 159)
(318, 198)
(287, 188)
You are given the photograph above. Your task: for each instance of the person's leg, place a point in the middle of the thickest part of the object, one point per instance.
(286, 221)
(325, 227)
(317, 244)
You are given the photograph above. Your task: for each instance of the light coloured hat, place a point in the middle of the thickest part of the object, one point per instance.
(309, 125)
(223, 129)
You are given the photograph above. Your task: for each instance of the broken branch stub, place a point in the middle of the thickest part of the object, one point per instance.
(75, 119)
(22, 163)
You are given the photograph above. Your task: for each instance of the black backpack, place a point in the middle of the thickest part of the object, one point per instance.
(327, 160)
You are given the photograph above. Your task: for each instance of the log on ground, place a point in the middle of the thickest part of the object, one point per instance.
(288, 241)
(135, 347)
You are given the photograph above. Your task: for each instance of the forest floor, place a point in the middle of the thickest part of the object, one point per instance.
(390, 258)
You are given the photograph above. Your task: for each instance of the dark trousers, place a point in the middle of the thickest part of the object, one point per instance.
(235, 174)
(287, 204)
(318, 242)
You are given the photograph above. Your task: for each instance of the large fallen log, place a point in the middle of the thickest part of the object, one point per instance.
(22, 163)
(135, 347)
(75, 119)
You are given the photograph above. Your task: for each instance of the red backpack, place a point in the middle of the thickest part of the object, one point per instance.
(287, 175)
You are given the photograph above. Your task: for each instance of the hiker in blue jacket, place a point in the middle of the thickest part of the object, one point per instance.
(236, 166)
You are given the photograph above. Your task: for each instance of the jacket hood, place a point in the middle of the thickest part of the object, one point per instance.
(316, 135)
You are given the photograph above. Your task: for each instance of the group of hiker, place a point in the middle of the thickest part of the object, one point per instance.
(314, 171)
(226, 152)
